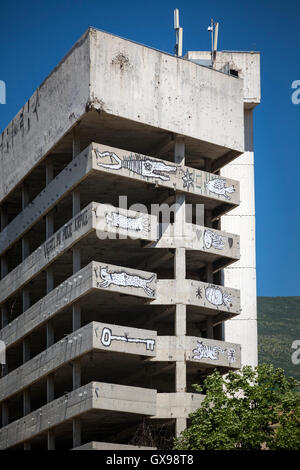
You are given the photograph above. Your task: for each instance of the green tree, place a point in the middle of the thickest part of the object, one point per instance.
(247, 409)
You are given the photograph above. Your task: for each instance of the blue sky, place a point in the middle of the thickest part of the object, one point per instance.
(35, 35)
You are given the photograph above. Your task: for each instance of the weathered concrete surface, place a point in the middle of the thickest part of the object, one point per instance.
(81, 283)
(220, 192)
(94, 396)
(64, 182)
(94, 336)
(242, 275)
(247, 64)
(95, 217)
(162, 173)
(163, 91)
(177, 405)
(110, 446)
(100, 218)
(50, 112)
(212, 297)
(199, 350)
(200, 238)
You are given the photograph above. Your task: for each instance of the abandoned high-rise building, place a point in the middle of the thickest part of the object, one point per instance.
(110, 314)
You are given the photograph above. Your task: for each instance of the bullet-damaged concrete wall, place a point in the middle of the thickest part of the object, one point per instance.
(145, 85)
(126, 80)
(51, 111)
(246, 64)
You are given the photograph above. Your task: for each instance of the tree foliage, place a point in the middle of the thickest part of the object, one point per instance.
(250, 409)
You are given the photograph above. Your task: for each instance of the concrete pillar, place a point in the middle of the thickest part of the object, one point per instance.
(180, 274)
(242, 274)
(26, 305)
(4, 272)
(4, 314)
(207, 213)
(209, 328)
(49, 288)
(76, 310)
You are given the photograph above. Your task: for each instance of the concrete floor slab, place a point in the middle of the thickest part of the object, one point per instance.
(93, 396)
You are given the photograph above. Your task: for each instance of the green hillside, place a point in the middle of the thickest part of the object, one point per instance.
(278, 327)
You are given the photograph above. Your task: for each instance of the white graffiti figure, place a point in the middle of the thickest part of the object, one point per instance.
(215, 296)
(218, 186)
(125, 280)
(231, 355)
(107, 337)
(212, 239)
(204, 351)
(188, 179)
(138, 164)
(138, 224)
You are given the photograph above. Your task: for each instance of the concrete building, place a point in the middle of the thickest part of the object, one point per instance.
(109, 313)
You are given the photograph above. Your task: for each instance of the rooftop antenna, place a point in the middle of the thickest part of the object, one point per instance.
(214, 30)
(178, 32)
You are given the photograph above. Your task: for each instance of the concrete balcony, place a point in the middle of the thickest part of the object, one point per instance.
(98, 230)
(100, 170)
(96, 337)
(110, 446)
(113, 347)
(203, 245)
(207, 352)
(97, 288)
(111, 234)
(128, 95)
(106, 281)
(177, 405)
(204, 297)
(108, 403)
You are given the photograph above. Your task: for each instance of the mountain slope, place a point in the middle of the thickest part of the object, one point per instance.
(278, 327)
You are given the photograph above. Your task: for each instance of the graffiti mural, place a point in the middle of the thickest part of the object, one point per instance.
(211, 239)
(206, 351)
(107, 337)
(188, 179)
(138, 164)
(215, 296)
(56, 242)
(137, 224)
(218, 186)
(123, 279)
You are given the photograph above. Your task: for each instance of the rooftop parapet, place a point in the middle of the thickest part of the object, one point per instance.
(124, 94)
(242, 65)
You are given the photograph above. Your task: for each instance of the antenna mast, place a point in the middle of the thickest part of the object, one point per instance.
(179, 33)
(214, 29)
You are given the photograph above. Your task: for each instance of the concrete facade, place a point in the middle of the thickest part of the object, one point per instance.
(126, 192)
(242, 275)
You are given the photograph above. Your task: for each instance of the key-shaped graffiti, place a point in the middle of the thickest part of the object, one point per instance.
(139, 164)
(107, 337)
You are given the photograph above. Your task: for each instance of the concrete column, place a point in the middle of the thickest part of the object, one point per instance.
(209, 328)
(76, 311)
(209, 321)
(4, 269)
(49, 288)
(207, 213)
(26, 305)
(180, 274)
(4, 314)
